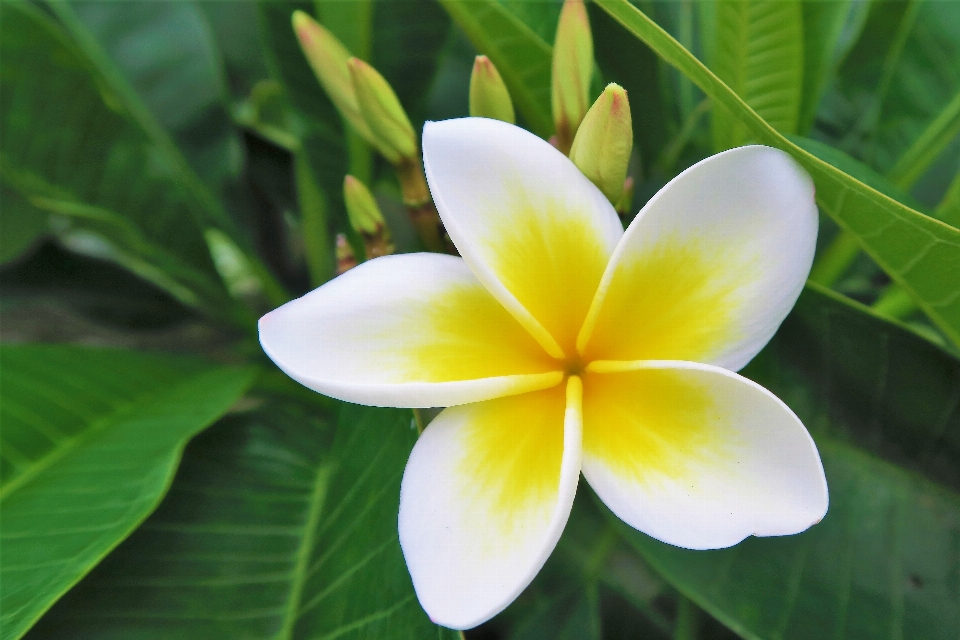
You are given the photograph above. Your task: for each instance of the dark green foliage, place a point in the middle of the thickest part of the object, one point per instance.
(162, 162)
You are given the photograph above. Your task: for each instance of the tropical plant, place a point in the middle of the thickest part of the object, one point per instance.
(171, 171)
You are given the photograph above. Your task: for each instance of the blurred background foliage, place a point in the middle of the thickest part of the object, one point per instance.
(160, 166)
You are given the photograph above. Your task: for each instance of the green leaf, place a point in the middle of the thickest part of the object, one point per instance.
(823, 45)
(167, 53)
(881, 403)
(635, 67)
(268, 532)
(758, 54)
(73, 149)
(542, 17)
(522, 57)
(858, 170)
(321, 133)
(91, 439)
(573, 614)
(899, 76)
(21, 225)
(235, 29)
(919, 253)
(834, 262)
(941, 131)
(949, 208)
(408, 38)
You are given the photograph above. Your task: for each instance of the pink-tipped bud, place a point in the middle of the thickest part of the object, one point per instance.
(604, 140)
(328, 59)
(489, 97)
(381, 110)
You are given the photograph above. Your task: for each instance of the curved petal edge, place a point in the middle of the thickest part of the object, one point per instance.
(697, 456)
(485, 496)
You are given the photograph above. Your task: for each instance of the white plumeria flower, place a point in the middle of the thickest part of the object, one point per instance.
(569, 345)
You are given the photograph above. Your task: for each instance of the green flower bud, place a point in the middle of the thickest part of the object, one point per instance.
(602, 147)
(572, 68)
(366, 218)
(328, 59)
(489, 97)
(381, 110)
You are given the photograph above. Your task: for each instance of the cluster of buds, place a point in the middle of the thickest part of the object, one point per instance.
(597, 138)
(368, 104)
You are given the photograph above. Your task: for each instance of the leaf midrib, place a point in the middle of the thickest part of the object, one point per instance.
(318, 496)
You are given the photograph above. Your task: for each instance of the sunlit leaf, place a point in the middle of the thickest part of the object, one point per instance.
(279, 525)
(91, 440)
(758, 53)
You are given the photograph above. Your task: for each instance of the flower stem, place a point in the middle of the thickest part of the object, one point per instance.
(688, 619)
(317, 243)
(420, 207)
(418, 420)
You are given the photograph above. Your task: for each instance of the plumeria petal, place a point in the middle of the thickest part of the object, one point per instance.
(535, 231)
(711, 266)
(698, 456)
(485, 495)
(415, 330)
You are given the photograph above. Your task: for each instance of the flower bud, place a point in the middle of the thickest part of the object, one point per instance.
(328, 59)
(602, 147)
(489, 97)
(366, 218)
(394, 135)
(572, 68)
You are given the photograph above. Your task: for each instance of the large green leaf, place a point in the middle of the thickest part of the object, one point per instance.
(882, 404)
(759, 55)
(72, 148)
(900, 75)
(167, 53)
(269, 531)
(940, 132)
(843, 249)
(542, 17)
(91, 439)
(830, 28)
(522, 57)
(919, 253)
